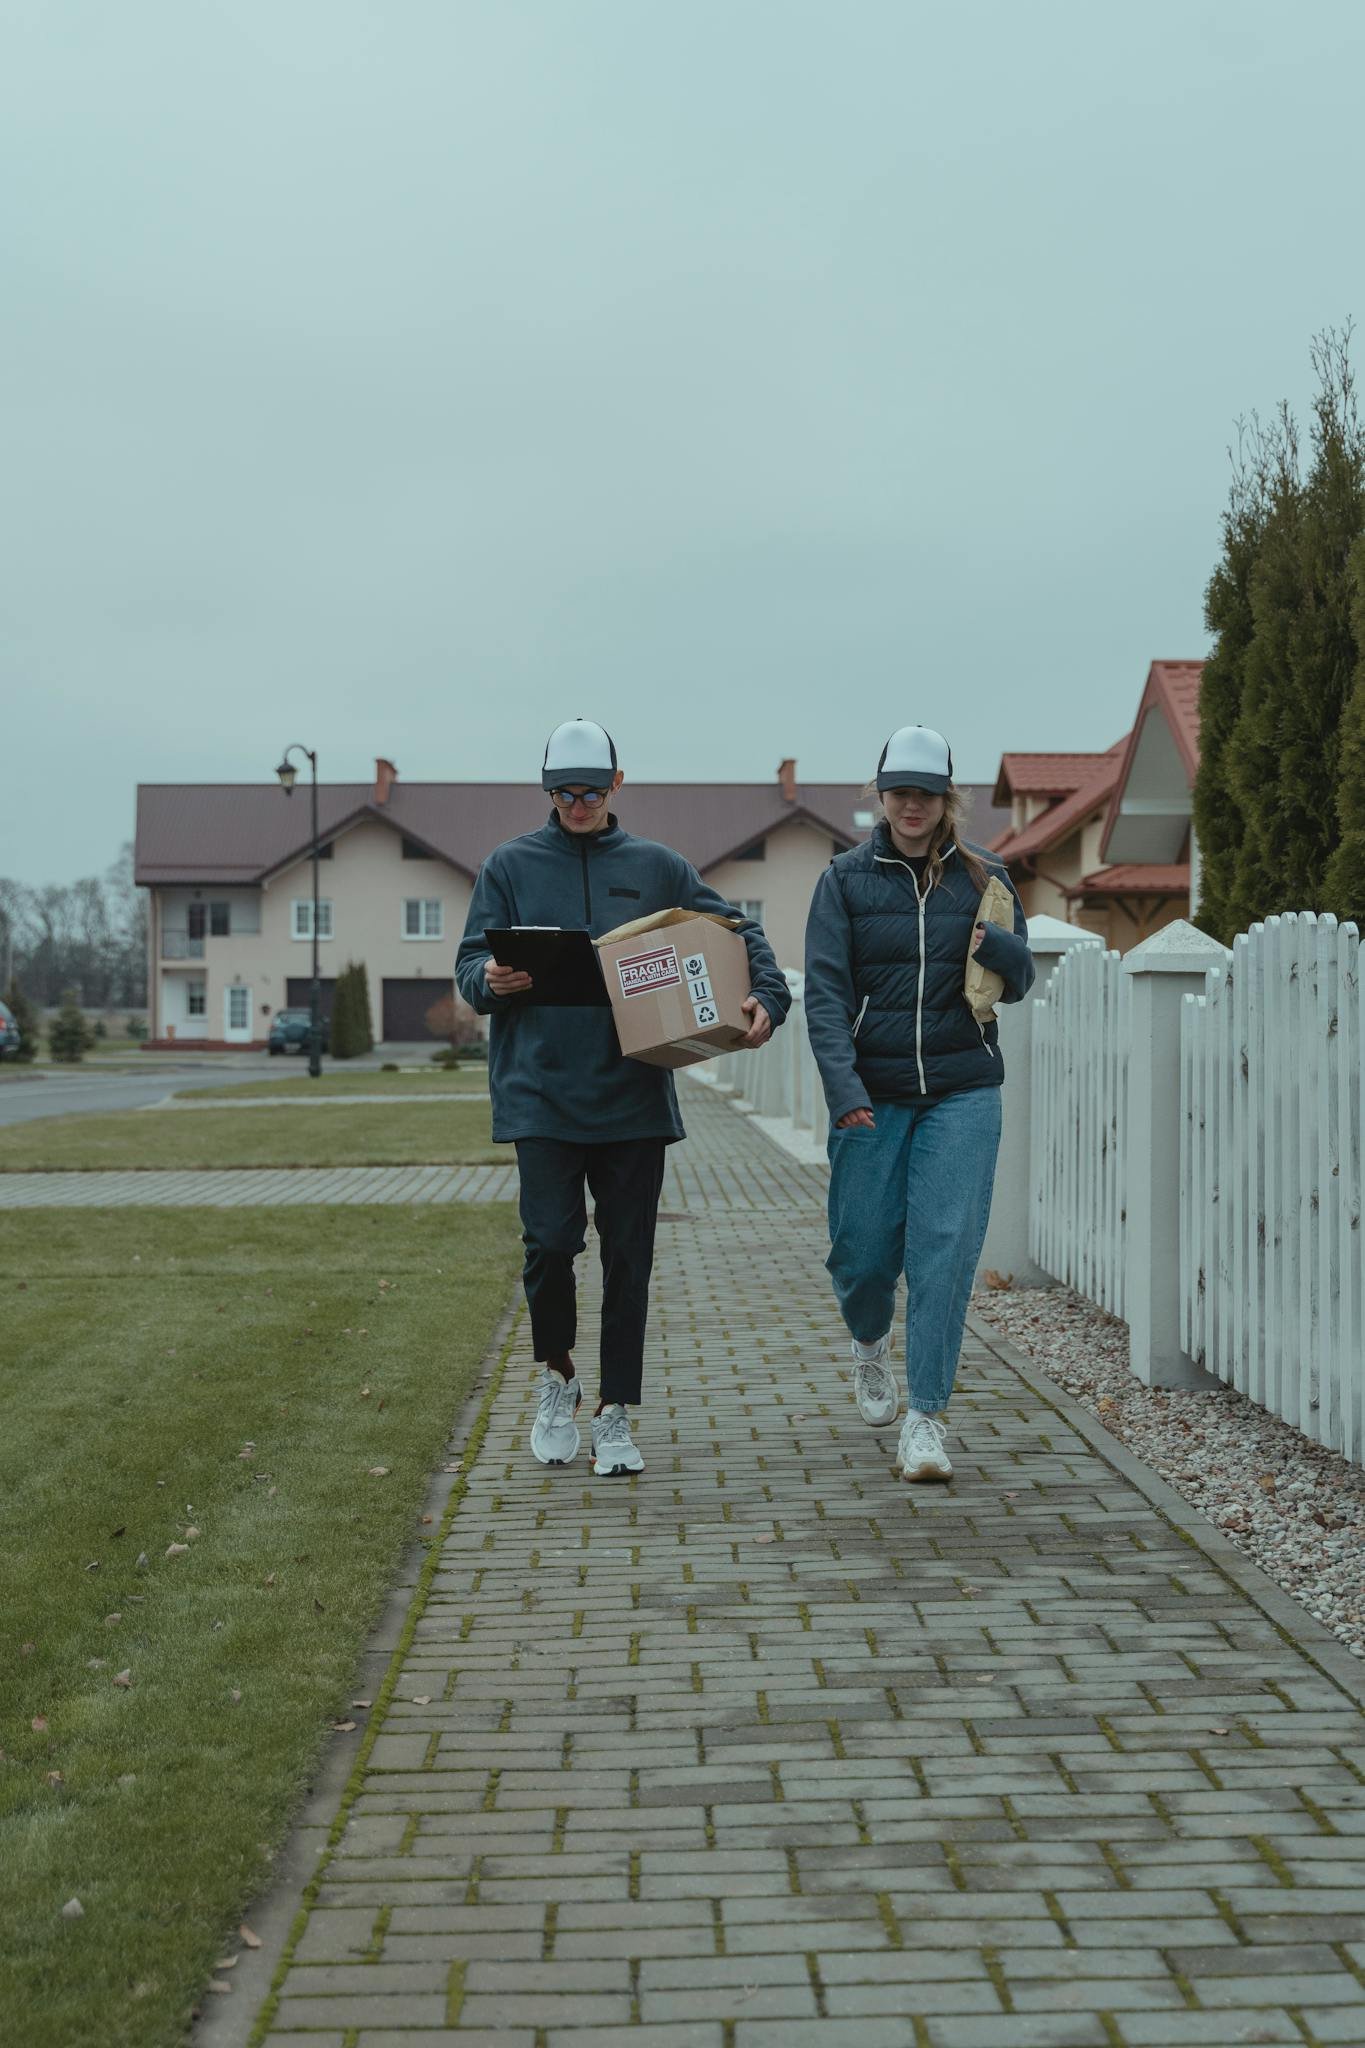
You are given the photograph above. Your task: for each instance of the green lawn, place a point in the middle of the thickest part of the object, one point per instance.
(343, 1134)
(332, 1081)
(144, 1351)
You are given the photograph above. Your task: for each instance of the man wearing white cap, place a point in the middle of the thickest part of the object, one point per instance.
(912, 1080)
(580, 1115)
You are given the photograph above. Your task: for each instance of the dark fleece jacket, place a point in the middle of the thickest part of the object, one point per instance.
(559, 1073)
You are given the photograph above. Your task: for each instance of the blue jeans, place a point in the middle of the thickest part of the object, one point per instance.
(913, 1195)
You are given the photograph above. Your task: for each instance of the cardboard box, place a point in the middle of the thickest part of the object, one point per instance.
(676, 982)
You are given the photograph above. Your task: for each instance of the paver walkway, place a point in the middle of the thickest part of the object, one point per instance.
(765, 1750)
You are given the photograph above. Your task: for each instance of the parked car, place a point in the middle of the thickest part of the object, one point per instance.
(289, 1031)
(9, 1033)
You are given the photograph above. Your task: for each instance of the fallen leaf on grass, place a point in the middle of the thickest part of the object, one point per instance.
(73, 1910)
(379, 1471)
(191, 1533)
(96, 1663)
(124, 1678)
(143, 1561)
(364, 1393)
(251, 1940)
(227, 1962)
(39, 1724)
(236, 1696)
(426, 1519)
(269, 1579)
(114, 1534)
(111, 1620)
(318, 1607)
(176, 1549)
(54, 1778)
(93, 1565)
(343, 1727)
(27, 1649)
(217, 1985)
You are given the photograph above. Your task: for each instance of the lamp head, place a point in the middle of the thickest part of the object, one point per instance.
(288, 775)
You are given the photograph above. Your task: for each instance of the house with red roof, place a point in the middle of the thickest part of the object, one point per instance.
(1105, 841)
(229, 870)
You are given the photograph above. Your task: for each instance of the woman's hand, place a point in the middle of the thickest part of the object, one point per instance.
(856, 1116)
(760, 1023)
(504, 981)
(977, 936)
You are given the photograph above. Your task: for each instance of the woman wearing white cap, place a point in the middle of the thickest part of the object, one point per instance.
(912, 1080)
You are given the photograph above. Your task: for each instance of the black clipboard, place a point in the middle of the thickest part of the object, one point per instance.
(563, 965)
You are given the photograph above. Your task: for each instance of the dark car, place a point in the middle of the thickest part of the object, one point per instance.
(289, 1031)
(9, 1033)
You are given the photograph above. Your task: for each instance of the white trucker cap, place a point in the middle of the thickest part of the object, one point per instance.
(916, 757)
(579, 751)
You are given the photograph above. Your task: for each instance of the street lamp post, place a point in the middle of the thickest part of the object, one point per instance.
(288, 775)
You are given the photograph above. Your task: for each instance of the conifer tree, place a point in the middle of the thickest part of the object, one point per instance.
(1257, 885)
(1346, 872)
(24, 1017)
(1323, 646)
(69, 1035)
(1219, 820)
(361, 999)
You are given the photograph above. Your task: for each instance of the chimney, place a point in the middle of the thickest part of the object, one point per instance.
(786, 781)
(385, 775)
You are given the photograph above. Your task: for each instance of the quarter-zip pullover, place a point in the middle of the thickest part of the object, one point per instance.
(558, 1072)
(885, 959)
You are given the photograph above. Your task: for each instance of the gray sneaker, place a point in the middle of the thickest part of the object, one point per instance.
(876, 1387)
(554, 1433)
(614, 1449)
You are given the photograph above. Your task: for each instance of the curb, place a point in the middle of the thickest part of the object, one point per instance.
(1308, 1635)
(301, 1862)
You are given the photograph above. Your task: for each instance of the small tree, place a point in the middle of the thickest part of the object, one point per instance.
(136, 1028)
(24, 1017)
(361, 999)
(68, 1035)
(350, 1029)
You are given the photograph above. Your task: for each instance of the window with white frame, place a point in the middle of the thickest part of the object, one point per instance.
(303, 917)
(196, 1004)
(423, 917)
(749, 906)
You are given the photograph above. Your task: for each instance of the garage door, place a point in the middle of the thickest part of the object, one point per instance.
(299, 994)
(406, 1004)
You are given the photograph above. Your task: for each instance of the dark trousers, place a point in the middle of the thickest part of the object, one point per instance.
(625, 1181)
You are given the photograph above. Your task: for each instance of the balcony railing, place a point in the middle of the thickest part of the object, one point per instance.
(180, 946)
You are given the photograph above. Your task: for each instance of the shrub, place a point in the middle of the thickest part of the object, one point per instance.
(452, 1019)
(101, 1029)
(136, 1028)
(389, 1067)
(350, 1031)
(69, 1037)
(25, 1019)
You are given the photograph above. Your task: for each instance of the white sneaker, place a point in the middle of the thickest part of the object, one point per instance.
(875, 1386)
(614, 1449)
(554, 1433)
(920, 1453)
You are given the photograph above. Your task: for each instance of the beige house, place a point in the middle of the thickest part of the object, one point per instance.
(229, 872)
(1104, 841)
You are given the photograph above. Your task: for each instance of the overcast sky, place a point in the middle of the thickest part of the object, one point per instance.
(752, 375)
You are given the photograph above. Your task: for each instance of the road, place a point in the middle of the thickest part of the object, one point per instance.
(86, 1089)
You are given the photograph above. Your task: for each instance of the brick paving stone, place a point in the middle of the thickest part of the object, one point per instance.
(764, 1749)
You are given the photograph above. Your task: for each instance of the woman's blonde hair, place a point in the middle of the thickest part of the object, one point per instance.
(947, 835)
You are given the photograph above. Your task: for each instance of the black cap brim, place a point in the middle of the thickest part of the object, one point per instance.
(936, 785)
(591, 778)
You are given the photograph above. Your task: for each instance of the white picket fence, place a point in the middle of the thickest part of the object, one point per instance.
(1081, 1038)
(782, 1080)
(1271, 1274)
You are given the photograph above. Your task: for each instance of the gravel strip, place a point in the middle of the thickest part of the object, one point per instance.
(1295, 1508)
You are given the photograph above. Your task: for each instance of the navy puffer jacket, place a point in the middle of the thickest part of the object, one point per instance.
(887, 1018)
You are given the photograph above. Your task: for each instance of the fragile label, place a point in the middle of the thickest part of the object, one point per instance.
(642, 973)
